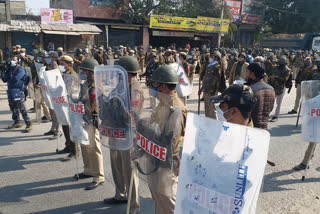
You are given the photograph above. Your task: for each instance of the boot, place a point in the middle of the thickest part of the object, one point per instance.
(28, 128)
(15, 125)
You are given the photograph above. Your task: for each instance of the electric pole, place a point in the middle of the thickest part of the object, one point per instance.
(8, 12)
(221, 17)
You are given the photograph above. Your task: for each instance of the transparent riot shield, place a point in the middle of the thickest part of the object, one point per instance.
(114, 119)
(30, 87)
(184, 88)
(310, 94)
(58, 95)
(79, 107)
(159, 134)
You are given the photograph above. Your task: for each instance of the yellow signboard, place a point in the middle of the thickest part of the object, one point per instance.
(212, 25)
(172, 23)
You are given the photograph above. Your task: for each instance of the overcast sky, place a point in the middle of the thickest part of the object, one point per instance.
(35, 5)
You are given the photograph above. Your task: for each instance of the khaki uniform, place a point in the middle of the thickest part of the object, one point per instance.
(163, 182)
(77, 61)
(141, 60)
(211, 85)
(92, 154)
(169, 59)
(121, 160)
(99, 57)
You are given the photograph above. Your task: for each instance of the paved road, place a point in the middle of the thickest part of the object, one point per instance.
(33, 180)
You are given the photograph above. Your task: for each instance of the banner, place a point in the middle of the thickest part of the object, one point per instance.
(235, 8)
(222, 167)
(172, 23)
(56, 16)
(252, 12)
(212, 25)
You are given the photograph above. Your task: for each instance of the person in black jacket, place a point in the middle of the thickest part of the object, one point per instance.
(15, 78)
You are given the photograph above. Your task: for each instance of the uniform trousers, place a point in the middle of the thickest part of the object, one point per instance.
(209, 107)
(16, 107)
(45, 108)
(279, 99)
(121, 171)
(295, 71)
(55, 123)
(92, 156)
(308, 154)
(298, 97)
(163, 187)
(69, 144)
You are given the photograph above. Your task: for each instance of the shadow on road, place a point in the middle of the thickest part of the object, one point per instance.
(13, 163)
(4, 141)
(272, 184)
(99, 207)
(285, 130)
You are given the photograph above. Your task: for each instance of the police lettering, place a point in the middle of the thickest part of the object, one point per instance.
(315, 112)
(151, 148)
(59, 100)
(115, 133)
(77, 108)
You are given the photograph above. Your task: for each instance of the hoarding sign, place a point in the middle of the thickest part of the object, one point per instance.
(56, 16)
(172, 23)
(252, 12)
(212, 25)
(235, 8)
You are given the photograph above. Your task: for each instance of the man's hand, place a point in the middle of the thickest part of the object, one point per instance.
(176, 165)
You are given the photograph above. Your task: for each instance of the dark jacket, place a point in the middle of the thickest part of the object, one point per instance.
(265, 101)
(15, 78)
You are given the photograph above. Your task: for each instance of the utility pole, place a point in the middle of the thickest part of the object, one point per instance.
(222, 11)
(8, 12)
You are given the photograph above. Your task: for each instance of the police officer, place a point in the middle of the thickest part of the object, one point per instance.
(168, 57)
(121, 160)
(67, 62)
(99, 56)
(164, 80)
(15, 78)
(141, 60)
(92, 154)
(277, 80)
(213, 82)
(77, 59)
(60, 51)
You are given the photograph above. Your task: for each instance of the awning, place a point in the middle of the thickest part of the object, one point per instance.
(88, 33)
(61, 33)
(172, 33)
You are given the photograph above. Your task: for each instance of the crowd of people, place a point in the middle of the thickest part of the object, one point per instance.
(237, 85)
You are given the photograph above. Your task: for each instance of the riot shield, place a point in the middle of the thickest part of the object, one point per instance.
(30, 87)
(114, 119)
(310, 94)
(184, 88)
(58, 95)
(79, 107)
(157, 141)
(222, 167)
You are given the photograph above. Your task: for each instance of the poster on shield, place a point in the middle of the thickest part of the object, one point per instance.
(184, 87)
(58, 94)
(222, 167)
(310, 111)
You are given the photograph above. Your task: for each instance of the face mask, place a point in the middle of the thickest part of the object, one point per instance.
(116, 56)
(220, 114)
(152, 60)
(282, 65)
(39, 59)
(62, 69)
(48, 60)
(23, 54)
(241, 59)
(154, 91)
(308, 63)
(211, 60)
(13, 63)
(232, 57)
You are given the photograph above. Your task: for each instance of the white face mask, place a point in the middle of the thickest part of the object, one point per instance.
(220, 114)
(241, 59)
(13, 63)
(62, 69)
(22, 54)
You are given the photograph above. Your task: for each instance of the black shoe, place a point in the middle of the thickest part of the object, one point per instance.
(114, 201)
(32, 110)
(28, 128)
(49, 133)
(300, 167)
(93, 185)
(64, 151)
(202, 99)
(45, 120)
(292, 112)
(82, 176)
(68, 158)
(273, 119)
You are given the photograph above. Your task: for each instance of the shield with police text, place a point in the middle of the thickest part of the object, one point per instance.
(184, 88)
(310, 111)
(112, 95)
(58, 95)
(159, 134)
(222, 167)
(79, 107)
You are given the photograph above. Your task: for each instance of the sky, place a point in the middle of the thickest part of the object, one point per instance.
(35, 5)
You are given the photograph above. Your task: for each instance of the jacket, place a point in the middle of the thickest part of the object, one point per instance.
(265, 96)
(15, 78)
(234, 76)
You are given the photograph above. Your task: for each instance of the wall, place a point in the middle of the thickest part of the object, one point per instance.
(61, 4)
(16, 8)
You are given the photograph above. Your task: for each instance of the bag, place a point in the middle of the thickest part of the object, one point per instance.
(14, 94)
